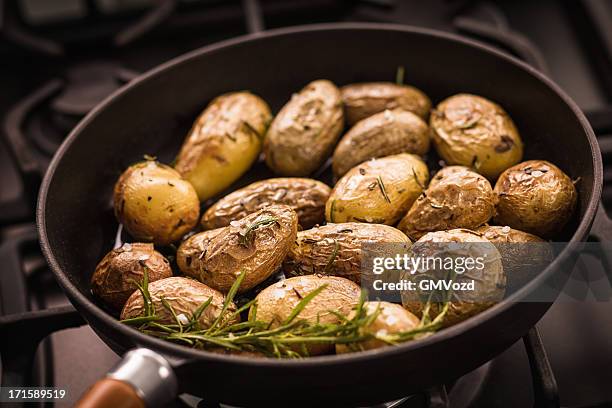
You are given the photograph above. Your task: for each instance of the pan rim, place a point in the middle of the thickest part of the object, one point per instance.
(174, 350)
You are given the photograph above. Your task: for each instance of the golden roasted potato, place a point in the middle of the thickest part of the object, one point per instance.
(535, 196)
(378, 191)
(523, 255)
(304, 132)
(224, 142)
(337, 249)
(276, 302)
(486, 272)
(255, 244)
(455, 198)
(382, 134)
(391, 319)
(184, 295)
(472, 131)
(154, 203)
(114, 278)
(306, 196)
(365, 99)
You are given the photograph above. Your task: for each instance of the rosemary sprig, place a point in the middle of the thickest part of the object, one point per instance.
(290, 339)
(247, 236)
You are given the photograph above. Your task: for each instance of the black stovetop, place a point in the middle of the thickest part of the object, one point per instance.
(59, 58)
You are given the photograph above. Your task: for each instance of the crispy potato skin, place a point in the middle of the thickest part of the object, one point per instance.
(535, 196)
(470, 130)
(336, 249)
(192, 250)
(184, 295)
(304, 132)
(523, 255)
(112, 279)
(224, 142)
(382, 134)
(490, 281)
(362, 100)
(378, 191)
(275, 303)
(224, 253)
(455, 198)
(391, 319)
(307, 197)
(154, 203)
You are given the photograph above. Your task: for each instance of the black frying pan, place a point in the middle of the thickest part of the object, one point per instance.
(153, 114)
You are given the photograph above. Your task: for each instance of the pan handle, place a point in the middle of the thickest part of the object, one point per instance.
(602, 232)
(143, 378)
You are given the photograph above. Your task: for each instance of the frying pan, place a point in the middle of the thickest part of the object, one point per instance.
(153, 113)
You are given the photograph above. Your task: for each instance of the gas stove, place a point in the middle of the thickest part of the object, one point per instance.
(61, 58)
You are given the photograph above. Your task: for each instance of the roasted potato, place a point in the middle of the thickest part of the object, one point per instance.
(455, 198)
(306, 196)
(488, 275)
(276, 302)
(391, 319)
(154, 203)
(378, 191)
(535, 196)
(382, 134)
(362, 100)
(224, 142)
(472, 131)
(304, 132)
(255, 244)
(523, 255)
(184, 295)
(114, 278)
(337, 249)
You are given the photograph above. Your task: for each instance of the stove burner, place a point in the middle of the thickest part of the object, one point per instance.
(87, 84)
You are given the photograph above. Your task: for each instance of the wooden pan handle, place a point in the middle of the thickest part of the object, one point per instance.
(142, 379)
(110, 393)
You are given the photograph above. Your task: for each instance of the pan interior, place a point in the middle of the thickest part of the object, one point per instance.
(153, 115)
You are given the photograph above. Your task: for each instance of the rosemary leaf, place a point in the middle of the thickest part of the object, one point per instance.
(247, 237)
(381, 185)
(302, 304)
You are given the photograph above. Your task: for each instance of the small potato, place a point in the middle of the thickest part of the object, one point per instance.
(524, 255)
(154, 203)
(391, 319)
(486, 271)
(535, 196)
(365, 99)
(378, 191)
(455, 198)
(472, 131)
(255, 244)
(276, 302)
(304, 132)
(224, 142)
(382, 134)
(184, 296)
(114, 277)
(307, 197)
(337, 249)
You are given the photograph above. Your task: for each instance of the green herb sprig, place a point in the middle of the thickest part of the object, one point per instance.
(289, 339)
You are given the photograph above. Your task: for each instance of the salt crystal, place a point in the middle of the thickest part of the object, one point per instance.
(182, 318)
